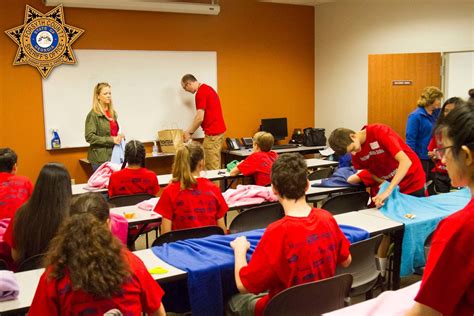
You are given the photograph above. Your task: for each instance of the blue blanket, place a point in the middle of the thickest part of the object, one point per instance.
(428, 211)
(339, 179)
(209, 263)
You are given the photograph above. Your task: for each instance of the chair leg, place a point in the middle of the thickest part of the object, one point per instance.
(146, 237)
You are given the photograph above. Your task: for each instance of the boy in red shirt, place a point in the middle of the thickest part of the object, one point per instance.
(190, 201)
(259, 163)
(384, 154)
(135, 178)
(14, 190)
(304, 246)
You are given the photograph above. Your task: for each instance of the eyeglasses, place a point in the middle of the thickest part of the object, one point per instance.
(440, 152)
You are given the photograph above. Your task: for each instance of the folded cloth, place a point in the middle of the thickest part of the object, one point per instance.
(119, 227)
(249, 194)
(118, 153)
(100, 178)
(148, 205)
(209, 263)
(428, 212)
(338, 179)
(9, 289)
(388, 303)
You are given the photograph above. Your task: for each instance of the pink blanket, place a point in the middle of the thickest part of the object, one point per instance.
(148, 205)
(389, 303)
(249, 194)
(100, 178)
(119, 227)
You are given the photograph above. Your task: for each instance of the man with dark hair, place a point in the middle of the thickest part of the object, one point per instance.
(209, 117)
(304, 246)
(378, 149)
(14, 190)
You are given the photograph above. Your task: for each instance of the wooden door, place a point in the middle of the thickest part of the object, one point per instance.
(391, 104)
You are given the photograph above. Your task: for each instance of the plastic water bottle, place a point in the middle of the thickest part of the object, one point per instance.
(55, 141)
(155, 150)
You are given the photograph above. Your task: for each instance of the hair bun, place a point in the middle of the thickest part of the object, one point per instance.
(471, 93)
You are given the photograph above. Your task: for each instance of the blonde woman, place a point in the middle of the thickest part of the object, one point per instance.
(102, 128)
(420, 125)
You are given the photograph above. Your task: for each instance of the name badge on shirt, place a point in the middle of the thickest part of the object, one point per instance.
(374, 145)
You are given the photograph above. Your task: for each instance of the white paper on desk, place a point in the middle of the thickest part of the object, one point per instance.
(326, 152)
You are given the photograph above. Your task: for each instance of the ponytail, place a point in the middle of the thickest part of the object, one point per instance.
(85, 247)
(185, 163)
(134, 154)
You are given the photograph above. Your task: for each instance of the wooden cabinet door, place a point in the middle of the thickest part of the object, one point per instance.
(391, 104)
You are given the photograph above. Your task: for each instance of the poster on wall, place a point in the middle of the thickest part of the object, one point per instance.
(44, 40)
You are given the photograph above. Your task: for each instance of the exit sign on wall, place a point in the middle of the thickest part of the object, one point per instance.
(402, 82)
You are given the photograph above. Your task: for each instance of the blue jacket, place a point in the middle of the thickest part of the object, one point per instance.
(420, 130)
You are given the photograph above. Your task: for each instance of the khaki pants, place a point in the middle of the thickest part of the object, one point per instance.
(243, 304)
(212, 151)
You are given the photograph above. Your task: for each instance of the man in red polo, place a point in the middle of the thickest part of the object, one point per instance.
(209, 117)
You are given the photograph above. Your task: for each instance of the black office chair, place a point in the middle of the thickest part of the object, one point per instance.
(346, 202)
(127, 200)
(313, 298)
(32, 263)
(133, 199)
(182, 234)
(319, 174)
(256, 217)
(363, 266)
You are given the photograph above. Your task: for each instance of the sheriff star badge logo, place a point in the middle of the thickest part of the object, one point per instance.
(44, 40)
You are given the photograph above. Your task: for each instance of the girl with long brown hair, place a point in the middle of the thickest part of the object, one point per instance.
(190, 201)
(88, 271)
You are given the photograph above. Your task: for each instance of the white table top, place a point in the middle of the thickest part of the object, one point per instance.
(140, 216)
(247, 152)
(28, 280)
(370, 223)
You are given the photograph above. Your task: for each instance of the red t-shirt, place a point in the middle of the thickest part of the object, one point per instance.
(260, 165)
(439, 165)
(133, 181)
(377, 156)
(292, 251)
(14, 191)
(140, 293)
(199, 206)
(448, 279)
(208, 100)
(114, 128)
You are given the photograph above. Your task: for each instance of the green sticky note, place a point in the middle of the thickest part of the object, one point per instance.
(158, 270)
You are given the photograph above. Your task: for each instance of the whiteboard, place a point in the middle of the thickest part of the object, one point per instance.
(458, 74)
(146, 92)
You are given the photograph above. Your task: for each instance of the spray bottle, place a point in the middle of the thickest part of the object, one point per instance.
(55, 141)
(155, 149)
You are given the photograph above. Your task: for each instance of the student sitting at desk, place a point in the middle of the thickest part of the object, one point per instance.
(89, 272)
(447, 287)
(14, 190)
(385, 155)
(259, 163)
(134, 178)
(37, 221)
(190, 200)
(304, 246)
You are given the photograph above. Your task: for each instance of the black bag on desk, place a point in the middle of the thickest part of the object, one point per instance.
(314, 137)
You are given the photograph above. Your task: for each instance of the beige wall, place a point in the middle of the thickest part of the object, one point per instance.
(346, 33)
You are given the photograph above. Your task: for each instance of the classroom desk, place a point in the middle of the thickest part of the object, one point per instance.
(140, 216)
(240, 154)
(28, 281)
(378, 225)
(213, 175)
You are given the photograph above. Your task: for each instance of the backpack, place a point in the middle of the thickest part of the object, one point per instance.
(314, 137)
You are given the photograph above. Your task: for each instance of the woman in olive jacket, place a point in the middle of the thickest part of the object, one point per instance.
(102, 128)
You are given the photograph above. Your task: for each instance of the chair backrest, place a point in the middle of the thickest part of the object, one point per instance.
(346, 202)
(427, 244)
(363, 266)
(31, 263)
(182, 234)
(256, 217)
(313, 298)
(127, 200)
(321, 173)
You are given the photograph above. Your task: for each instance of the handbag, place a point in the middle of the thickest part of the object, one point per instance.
(314, 137)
